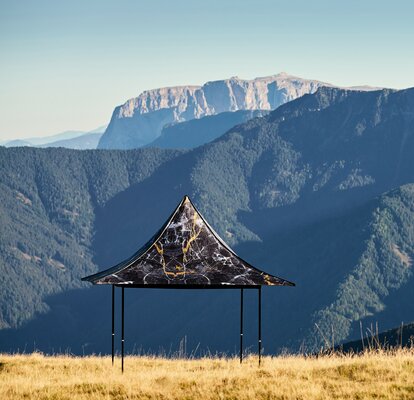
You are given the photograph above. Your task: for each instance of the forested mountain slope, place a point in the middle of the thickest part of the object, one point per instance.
(49, 202)
(314, 192)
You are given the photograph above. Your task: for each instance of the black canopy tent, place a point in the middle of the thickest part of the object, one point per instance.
(186, 253)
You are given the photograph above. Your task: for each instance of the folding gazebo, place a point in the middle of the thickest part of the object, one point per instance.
(186, 253)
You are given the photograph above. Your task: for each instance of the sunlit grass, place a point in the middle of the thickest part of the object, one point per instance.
(373, 375)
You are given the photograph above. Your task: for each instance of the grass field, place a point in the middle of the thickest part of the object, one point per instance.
(374, 375)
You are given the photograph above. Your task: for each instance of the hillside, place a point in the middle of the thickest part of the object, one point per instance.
(49, 201)
(387, 376)
(403, 336)
(318, 192)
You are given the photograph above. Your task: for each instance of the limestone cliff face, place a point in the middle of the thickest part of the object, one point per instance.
(140, 120)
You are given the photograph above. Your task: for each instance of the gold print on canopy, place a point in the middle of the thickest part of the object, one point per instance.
(193, 236)
(160, 251)
(268, 280)
(180, 270)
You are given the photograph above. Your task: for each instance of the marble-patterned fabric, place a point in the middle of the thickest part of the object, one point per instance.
(186, 251)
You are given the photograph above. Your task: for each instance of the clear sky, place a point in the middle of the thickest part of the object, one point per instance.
(66, 64)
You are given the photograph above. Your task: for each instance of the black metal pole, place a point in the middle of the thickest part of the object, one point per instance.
(241, 326)
(122, 332)
(260, 323)
(113, 323)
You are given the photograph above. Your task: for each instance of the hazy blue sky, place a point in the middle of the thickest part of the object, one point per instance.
(67, 64)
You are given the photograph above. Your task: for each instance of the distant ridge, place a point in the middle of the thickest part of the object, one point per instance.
(62, 139)
(82, 142)
(140, 120)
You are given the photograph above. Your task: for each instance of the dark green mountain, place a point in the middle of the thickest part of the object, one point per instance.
(317, 192)
(194, 133)
(49, 202)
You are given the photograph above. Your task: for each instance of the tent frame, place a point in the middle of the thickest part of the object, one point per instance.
(130, 272)
(241, 287)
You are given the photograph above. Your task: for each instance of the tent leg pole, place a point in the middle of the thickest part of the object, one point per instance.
(260, 323)
(113, 323)
(241, 326)
(122, 332)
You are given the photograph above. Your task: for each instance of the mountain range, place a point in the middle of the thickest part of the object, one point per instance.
(140, 120)
(319, 191)
(159, 117)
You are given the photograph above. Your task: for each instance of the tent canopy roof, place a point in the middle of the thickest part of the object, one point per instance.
(185, 252)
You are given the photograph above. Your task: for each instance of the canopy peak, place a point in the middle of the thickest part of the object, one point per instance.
(186, 251)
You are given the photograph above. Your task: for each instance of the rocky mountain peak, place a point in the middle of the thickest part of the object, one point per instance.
(140, 120)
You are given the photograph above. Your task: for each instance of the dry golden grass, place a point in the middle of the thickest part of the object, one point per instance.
(374, 375)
